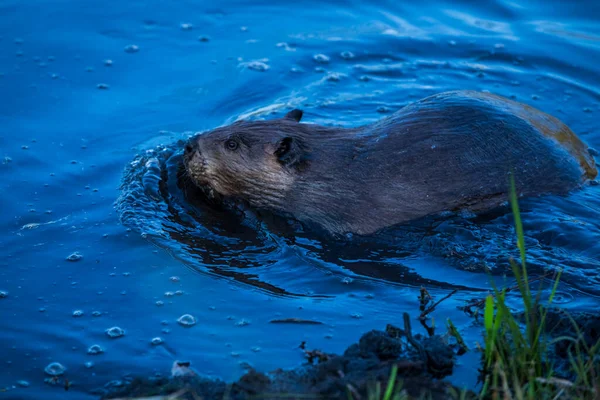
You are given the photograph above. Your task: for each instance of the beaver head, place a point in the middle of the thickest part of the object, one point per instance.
(254, 161)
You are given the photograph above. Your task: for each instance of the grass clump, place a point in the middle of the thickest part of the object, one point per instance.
(515, 358)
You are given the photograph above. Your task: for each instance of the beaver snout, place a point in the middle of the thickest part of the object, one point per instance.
(195, 164)
(190, 147)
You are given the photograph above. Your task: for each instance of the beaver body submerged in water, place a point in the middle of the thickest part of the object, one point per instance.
(450, 151)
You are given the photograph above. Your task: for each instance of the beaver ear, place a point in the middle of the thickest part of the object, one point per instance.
(289, 151)
(295, 114)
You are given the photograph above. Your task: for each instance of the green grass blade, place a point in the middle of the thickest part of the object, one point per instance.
(391, 383)
(518, 224)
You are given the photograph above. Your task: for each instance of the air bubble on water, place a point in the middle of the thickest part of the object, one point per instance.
(78, 313)
(242, 322)
(335, 76)
(89, 364)
(169, 294)
(3, 294)
(356, 315)
(115, 332)
(55, 369)
(244, 28)
(156, 341)
(160, 303)
(187, 320)
(132, 48)
(347, 55)
(174, 279)
(96, 313)
(235, 354)
(383, 109)
(108, 63)
(255, 349)
(102, 86)
(95, 350)
(246, 366)
(76, 256)
(452, 42)
(321, 58)
(117, 383)
(186, 27)
(285, 46)
(23, 384)
(257, 66)
(320, 70)
(347, 280)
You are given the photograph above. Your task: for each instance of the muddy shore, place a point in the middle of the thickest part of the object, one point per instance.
(421, 362)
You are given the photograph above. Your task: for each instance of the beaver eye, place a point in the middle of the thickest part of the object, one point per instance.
(231, 145)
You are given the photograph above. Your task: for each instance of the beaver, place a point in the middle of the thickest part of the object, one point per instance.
(447, 152)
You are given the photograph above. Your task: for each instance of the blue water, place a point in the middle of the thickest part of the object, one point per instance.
(90, 169)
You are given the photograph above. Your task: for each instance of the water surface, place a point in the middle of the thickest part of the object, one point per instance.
(90, 159)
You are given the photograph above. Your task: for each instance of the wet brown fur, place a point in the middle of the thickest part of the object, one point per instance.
(446, 152)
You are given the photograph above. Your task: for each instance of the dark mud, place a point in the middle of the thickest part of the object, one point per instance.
(422, 364)
(583, 327)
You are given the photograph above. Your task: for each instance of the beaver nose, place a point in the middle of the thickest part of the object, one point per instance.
(190, 147)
